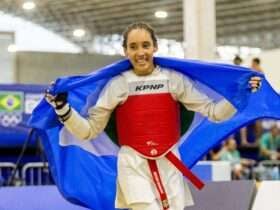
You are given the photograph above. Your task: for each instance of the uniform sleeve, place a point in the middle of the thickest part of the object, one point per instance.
(114, 93)
(184, 91)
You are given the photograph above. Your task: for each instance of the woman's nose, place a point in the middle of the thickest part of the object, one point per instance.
(140, 52)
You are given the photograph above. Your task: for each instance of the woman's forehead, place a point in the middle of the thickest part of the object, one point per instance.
(139, 35)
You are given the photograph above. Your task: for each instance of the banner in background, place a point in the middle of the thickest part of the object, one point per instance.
(17, 102)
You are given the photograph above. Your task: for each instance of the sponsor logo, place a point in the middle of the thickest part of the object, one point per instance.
(149, 87)
(11, 108)
(10, 101)
(153, 152)
(152, 143)
(10, 120)
(31, 101)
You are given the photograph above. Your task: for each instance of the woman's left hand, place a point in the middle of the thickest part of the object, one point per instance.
(255, 83)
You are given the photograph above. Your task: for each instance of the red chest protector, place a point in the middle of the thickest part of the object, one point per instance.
(149, 123)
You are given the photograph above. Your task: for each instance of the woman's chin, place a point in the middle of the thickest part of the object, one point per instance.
(142, 72)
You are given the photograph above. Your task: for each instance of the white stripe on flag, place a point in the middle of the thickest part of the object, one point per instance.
(102, 145)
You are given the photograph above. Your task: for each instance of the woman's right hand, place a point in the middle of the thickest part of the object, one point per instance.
(60, 104)
(57, 101)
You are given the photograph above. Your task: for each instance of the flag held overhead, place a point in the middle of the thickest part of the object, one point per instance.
(86, 173)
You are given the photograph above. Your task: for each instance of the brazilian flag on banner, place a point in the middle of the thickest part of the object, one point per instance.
(11, 101)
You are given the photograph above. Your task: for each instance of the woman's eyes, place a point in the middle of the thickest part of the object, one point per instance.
(133, 47)
(144, 45)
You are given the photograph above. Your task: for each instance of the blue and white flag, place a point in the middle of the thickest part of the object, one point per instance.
(85, 173)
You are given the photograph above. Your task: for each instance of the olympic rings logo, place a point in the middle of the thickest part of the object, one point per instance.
(10, 120)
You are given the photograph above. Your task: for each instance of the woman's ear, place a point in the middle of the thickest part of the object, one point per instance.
(155, 49)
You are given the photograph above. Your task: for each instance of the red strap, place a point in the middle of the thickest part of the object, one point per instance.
(185, 171)
(160, 188)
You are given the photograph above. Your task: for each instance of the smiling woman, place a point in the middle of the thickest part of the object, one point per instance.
(139, 45)
(146, 102)
(140, 51)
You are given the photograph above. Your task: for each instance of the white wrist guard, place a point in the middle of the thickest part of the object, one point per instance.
(64, 113)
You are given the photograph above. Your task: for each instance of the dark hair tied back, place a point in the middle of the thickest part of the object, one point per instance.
(139, 25)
